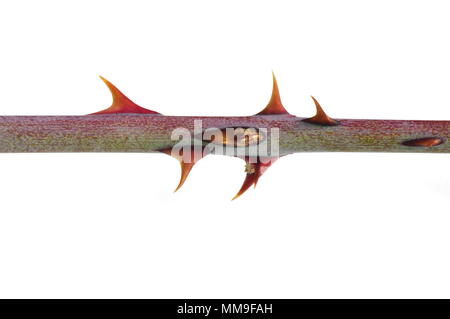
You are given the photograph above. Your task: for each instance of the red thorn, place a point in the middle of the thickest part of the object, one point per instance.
(250, 179)
(321, 118)
(275, 107)
(424, 142)
(254, 172)
(185, 170)
(186, 162)
(121, 104)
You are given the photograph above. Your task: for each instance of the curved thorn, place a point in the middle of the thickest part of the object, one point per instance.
(249, 181)
(254, 172)
(321, 118)
(117, 95)
(275, 99)
(185, 170)
(187, 161)
(121, 103)
(319, 110)
(275, 106)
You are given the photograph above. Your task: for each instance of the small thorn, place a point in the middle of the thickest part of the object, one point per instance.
(321, 118)
(424, 142)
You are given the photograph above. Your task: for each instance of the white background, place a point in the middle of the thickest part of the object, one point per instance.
(318, 225)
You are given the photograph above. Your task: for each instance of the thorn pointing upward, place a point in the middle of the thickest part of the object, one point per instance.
(321, 118)
(275, 107)
(121, 104)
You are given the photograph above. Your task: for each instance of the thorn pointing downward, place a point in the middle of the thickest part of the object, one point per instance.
(187, 162)
(254, 172)
(185, 170)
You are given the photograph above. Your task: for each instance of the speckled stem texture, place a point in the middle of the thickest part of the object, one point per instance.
(151, 133)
